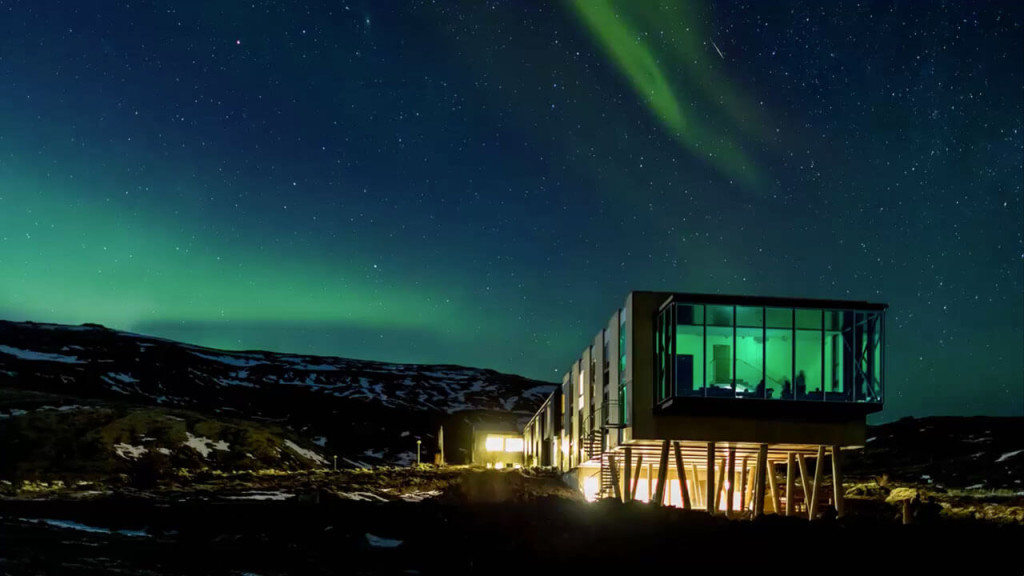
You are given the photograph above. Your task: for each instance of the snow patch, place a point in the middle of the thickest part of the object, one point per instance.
(204, 445)
(307, 454)
(872, 439)
(262, 495)
(320, 441)
(361, 496)
(378, 542)
(128, 451)
(374, 453)
(123, 378)
(420, 496)
(230, 360)
(67, 524)
(1009, 455)
(42, 356)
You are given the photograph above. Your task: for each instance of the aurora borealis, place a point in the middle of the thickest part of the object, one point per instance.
(482, 183)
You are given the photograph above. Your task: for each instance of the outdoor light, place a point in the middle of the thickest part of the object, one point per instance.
(494, 443)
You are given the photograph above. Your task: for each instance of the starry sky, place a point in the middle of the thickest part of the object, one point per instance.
(481, 183)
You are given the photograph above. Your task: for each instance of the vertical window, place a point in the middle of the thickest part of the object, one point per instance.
(837, 329)
(778, 353)
(808, 358)
(719, 352)
(689, 353)
(623, 399)
(750, 382)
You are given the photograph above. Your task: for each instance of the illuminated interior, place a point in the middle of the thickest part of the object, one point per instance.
(499, 443)
(767, 353)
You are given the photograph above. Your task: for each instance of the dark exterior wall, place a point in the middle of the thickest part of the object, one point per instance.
(641, 308)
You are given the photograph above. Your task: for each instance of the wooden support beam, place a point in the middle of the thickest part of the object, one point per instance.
(636, 476)
(745, 484)
(776, 505)
(790, 482)
(819, 467)
(804, 478)
(615, 477)
(681, 472)
(762, 465)
(720, 487)
(698, 492)
(650, 481)
(659, 492)
(709, 492)
(837, 481)
(627, 476)
(732, 481)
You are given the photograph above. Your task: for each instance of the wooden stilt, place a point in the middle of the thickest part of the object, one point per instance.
(720, 487)
(709, 492)
(615, 477)
(732, 481)
(776, 506)
(627, 476)
(745, 484)
(659, 493)
(681, 472)
(790, 481)
(650, 481)
(819, 467)
(636, 476)
(762, 465)
(804, 478)
(698, 492)
(837, 481)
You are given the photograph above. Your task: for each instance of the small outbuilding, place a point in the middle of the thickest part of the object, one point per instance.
(497, 445)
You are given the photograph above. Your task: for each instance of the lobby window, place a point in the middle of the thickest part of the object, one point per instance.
(689, 353)
(623, 393)
(838, 331)
(750, 381)
(778, 353)
(719, 352)
(808, 357)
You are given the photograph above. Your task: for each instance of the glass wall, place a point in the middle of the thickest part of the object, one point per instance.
(810, 354)
(778, 353)
(719, 352)
(689, 360)
(750, 352)
(838, 326)
(808, 358)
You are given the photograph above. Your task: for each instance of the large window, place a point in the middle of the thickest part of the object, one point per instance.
(807, 381)
(750, 352)
(838, 328)
(722, 351)
(689, 357)
(719, 355)
(778, 374)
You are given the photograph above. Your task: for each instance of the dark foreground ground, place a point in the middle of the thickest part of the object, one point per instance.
(483, 525)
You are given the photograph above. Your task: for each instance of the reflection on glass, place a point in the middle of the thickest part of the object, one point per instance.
(689, 360)
(779, 353)
(750, 352)
(808, 378)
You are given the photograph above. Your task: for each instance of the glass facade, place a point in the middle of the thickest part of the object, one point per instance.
(768, 353)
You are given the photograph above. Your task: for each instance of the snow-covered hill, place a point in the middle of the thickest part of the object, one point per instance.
(363, 410)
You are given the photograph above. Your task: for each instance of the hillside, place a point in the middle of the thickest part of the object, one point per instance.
(365, 412)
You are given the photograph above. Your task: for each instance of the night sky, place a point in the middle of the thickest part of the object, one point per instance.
(481, 183)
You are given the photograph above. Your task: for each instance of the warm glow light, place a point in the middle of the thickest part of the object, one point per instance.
(591, 485)
(494, 443)
(499, 465)
(513, 444)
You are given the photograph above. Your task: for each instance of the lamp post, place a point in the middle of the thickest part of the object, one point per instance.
(335, 462)
(418, 442)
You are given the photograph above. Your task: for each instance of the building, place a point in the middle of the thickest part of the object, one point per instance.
(497, 445)
(731, 404)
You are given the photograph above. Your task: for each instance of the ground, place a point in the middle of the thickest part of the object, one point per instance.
(454, 520)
